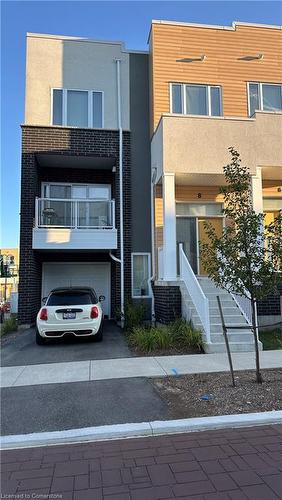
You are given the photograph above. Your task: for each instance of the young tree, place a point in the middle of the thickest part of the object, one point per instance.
(246, 258)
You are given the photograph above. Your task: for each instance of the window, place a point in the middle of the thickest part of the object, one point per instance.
(73, 298)
(198, 209)
(140, 270)
(265, 97)
(76, 191)
(191, 99)
(57, 107)
(77, 108)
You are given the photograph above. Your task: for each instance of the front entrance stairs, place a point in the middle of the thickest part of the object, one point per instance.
(240, 340)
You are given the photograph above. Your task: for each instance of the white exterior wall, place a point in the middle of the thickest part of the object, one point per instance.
(64, 62)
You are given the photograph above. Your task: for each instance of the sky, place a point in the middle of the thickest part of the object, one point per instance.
(126, 21)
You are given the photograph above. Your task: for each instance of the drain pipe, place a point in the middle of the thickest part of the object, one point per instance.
(118, 62)
(154, 173)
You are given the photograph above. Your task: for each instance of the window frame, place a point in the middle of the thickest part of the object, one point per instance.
(208, 98)
(65, 106)
(71, 184)
(260, 96)
(148, 254)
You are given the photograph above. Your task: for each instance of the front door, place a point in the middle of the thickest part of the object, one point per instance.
(217, 223)
(186, 233)
(190, 231)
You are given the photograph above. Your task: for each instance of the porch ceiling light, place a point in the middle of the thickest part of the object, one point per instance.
(192, 59)
(251, 58)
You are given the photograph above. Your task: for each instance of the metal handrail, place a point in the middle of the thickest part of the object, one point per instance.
(195, 291)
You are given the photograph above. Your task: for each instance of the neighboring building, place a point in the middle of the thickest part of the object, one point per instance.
(85, 147)
(9, 278)
(212, 87)
(209, 87)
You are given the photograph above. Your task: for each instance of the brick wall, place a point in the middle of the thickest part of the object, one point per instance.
(78, 142)
(167, 303)
(272, 305)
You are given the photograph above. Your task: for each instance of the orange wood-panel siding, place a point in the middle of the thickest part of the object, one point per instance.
(222, 67)
(158, 217)
(272, 189)
(198, 193)
(208, 194)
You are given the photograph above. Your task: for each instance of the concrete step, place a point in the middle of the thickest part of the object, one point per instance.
(228, 318)
(218, 328)
(232, 337)
(230, 309)
(234, 347)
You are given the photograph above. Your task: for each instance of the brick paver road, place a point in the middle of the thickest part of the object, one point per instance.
(225, 465)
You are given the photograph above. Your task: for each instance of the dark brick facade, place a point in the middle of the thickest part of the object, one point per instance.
(167, 303)
(272, 305)
(78, 143)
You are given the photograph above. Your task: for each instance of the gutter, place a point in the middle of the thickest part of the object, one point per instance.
(118, 61)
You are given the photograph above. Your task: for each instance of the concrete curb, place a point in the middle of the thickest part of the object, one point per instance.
(143, 429)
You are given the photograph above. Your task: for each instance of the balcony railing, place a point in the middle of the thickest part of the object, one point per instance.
(74, 214)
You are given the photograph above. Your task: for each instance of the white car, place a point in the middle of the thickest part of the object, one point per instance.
(75, 311)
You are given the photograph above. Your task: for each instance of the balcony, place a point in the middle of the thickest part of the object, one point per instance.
(72, 224)
(195, 146)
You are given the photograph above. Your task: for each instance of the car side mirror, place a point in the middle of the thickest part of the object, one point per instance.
(101, 298)
(44, 300)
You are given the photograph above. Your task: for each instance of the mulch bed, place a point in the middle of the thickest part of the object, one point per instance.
(183, 393)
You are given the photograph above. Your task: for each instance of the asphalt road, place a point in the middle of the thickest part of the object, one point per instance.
(20, 348)
(54, 407)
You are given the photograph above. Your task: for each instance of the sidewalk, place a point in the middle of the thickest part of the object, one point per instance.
(229, 464)
(159, 366)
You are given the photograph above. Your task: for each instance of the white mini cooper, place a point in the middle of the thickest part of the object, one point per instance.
(75, 311)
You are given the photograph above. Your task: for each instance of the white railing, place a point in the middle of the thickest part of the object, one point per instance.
(244, 305)
(74, 214)
(195, 291)
(160, 263)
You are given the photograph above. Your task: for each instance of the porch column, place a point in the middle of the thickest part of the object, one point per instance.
(257, 191)
(169, 228)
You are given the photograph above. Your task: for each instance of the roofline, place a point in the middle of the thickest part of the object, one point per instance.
(89, 40)
(232, 27)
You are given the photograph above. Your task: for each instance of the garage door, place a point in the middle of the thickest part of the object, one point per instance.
(95, 275)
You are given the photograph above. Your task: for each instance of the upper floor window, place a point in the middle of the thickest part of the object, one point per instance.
(265, 97)
(190, 99)
(59, 190)
(77, 108)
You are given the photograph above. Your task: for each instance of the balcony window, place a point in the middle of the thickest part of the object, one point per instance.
(265, 97)
(77, 108)
(193, 99)
(140, 271)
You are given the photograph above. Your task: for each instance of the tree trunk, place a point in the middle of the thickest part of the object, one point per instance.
(255, 332)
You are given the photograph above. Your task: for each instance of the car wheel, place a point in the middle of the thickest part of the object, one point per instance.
(39, 340)
(99, 335)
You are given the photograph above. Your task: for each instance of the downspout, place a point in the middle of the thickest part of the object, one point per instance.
(118, 61)
(154, 173)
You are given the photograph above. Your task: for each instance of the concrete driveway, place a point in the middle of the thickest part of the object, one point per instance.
(21, 349)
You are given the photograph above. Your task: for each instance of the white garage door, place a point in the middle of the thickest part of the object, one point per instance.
(95, 275)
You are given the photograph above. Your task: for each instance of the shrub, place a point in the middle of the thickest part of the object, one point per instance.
(185, 335)
(10, 325)
(271, 339)
(150, 339)
(179, 335)
(134, 315)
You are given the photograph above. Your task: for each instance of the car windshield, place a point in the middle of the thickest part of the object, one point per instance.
(72, 298)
